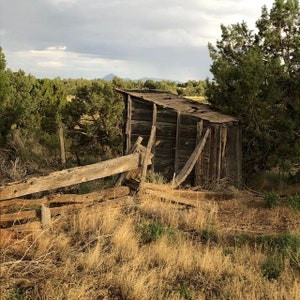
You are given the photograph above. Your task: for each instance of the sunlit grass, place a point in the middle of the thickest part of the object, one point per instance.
(148, 249)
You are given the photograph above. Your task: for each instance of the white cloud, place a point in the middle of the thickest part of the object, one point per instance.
(133, 38)
(56, 48)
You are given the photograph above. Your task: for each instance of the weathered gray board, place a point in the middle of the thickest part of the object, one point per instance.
(180, 125)
(72, 176)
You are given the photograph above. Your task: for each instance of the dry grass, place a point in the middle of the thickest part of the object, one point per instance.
(146, 249)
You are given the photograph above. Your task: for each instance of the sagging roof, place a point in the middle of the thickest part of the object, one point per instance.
(180, 104)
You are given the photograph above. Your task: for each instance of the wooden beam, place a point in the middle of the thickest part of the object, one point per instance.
(194, 198)
(239, 155)
(199, 163)
(219, 162)
(213, 154)
(128, 124)
(62, 145)
(224, 158)
(45, 216)
(188, 167)
(72, 176)
(177, 143)
(132, 150)
(148, 152)
(97, 196)
(19, 216)
(154, 118)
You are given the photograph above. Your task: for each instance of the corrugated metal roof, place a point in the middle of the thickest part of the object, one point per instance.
(181, 104)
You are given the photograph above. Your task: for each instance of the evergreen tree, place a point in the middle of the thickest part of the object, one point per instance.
(10, 109)
(256, 78)
(94, 121)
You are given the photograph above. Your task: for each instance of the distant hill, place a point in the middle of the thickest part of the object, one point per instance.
(111, 76)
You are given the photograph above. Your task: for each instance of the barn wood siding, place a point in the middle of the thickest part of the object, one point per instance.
(177, 133)
(233, 154)
(144, 115)
(186, 131)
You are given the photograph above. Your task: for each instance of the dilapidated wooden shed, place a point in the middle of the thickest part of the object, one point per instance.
(184, 129)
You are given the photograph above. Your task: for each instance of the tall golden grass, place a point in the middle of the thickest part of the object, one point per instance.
(102, 253)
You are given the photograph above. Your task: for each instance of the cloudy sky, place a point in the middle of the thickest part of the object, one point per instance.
(164, 39)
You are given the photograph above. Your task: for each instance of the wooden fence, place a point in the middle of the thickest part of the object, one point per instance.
(73, 176)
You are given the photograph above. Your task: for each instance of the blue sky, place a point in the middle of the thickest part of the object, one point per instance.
(133, 38)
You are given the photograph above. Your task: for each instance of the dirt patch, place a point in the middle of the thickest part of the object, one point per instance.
(249, 214)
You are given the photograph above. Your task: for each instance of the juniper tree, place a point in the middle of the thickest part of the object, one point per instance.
(256, 77)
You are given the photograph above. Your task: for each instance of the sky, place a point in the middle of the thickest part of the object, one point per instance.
(164, 39)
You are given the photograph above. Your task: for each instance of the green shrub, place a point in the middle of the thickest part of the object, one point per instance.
(284, 243)
(152, 231)
(294, 259)
(272, 267)
(184, 291)
(294, 202)
(271, 199)
(208, 235)
(242, 239)
(154, 177)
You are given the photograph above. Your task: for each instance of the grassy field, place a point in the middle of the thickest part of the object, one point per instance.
(143, 248)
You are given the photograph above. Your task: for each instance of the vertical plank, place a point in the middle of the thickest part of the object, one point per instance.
(62, 145)
(178, 126)
(239, 154)
(132, 150)
(206, 163)
(188, 167)
(219, 153)
(128, 124)
(213, 155)
(154, 119)
(148, 152)
(199, 163)
(46, 216)
(223, 158)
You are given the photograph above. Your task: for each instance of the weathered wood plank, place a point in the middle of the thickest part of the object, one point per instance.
(128, 124)
(187, 119)
(132, 150)
(184, 143)
(232, 155)
(199, 165)
(147, 153)
(178, 135)
(145, 114)
(239, 155)
(97, 196)
(141, 114)
(154, 121)
(45, 216)
(165, 143)
(62, 145)
(213, 154)
(219, 154)
(188, 131)
(139, 104)
(224, 158)
(71, 176)
(19, 216)
(192, 160)
(189, 197)
(167, 115)
(162, 128)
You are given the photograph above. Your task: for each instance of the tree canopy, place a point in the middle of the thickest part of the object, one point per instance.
(256, 77)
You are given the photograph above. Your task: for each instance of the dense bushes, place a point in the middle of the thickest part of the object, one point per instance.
(89, 113)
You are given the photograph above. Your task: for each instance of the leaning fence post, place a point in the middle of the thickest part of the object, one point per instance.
(45, 216)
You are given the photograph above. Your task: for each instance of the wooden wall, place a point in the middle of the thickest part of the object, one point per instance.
(177, 135)
(222, 155)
